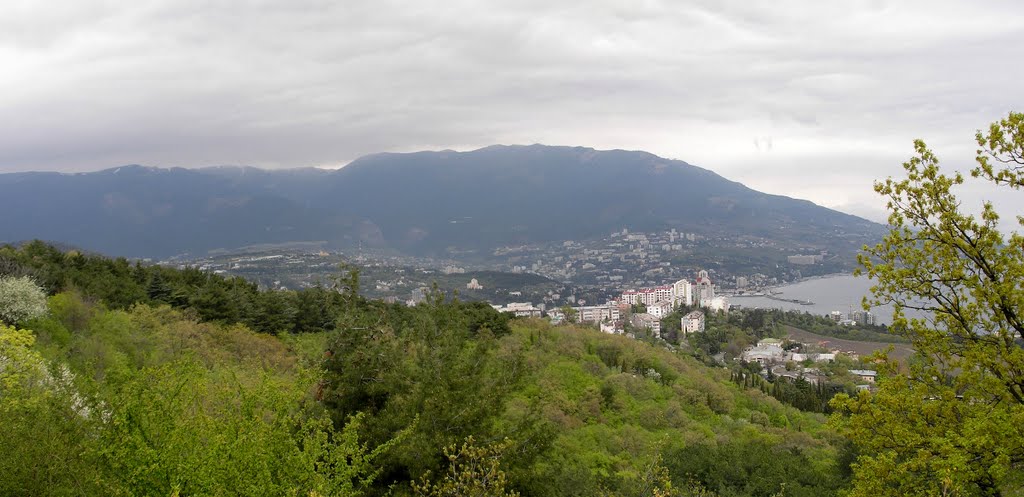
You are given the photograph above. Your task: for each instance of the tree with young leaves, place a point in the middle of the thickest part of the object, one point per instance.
(473, 471)
(952, 423)
(569, 312)
(46, 432)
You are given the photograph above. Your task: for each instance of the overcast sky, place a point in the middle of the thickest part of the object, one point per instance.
(810, 99)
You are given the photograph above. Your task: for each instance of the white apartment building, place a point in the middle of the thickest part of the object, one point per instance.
(644, 320)
(676, 294)
(647, 296)
(682, 293)
(717, 304)
(692, 323)
(660, 309)
(597, 313)
(798, 357)
(521, 309)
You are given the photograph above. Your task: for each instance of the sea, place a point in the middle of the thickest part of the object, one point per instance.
(838, 292)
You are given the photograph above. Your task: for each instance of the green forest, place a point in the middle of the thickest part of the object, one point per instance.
(141, 380)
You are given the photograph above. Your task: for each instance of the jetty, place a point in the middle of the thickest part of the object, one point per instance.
(774, 296)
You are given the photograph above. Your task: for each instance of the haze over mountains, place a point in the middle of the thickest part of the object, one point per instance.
(424, 203)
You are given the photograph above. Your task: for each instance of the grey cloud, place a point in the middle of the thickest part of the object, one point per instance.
(294, 83)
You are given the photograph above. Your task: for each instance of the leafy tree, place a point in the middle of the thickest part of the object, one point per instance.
(656, 481)
(181, 428)
(569, 312)
(436, 366)
(953, 424)
(22, 370)
(20, 300)
(473, 471)
(46, 431)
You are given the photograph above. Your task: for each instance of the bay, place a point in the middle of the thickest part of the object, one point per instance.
(840, 292)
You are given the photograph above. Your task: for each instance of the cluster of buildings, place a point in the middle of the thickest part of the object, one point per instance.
(612, 316)
(623, 256)
(681, 293)
(769, 351)
(771, 355)
(854, 318)
(630, 259)
(676, 294)
(658, 301)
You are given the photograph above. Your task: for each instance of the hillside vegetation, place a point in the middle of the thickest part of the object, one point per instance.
(113, 391)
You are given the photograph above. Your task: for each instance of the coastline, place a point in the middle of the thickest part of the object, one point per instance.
(810, 278)
(766, 291)
(823, 294)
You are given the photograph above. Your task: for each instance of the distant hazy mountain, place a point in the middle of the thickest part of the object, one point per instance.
(418, 203)
(140, 211)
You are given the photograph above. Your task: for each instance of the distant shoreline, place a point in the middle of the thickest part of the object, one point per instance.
(810, 278)
(791, 283)
(841, 292)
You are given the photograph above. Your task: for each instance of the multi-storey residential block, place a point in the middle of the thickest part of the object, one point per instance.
(704, 289)
(597, 313)
(648, 322)
(862, 317)
(676, 294)
(520, 309)
(660, 309)
(682, 293)
(692, 322)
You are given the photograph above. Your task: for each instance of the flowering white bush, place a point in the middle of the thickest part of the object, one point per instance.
(20, 300)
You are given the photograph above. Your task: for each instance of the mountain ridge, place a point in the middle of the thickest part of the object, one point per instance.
(420, 203)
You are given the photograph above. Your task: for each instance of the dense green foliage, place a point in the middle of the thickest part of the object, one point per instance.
(799, 393)
(119, 284)
(143, 398)
(822, 325)
(953, 422)
(583, 412)
(148, 402)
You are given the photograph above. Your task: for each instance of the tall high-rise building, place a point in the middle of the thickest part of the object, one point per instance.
(682, 293)
(704, 290)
